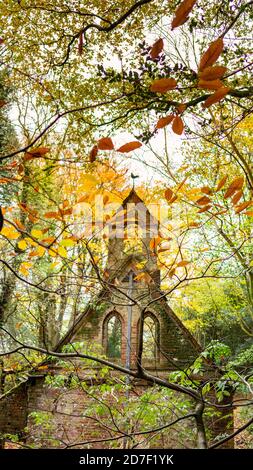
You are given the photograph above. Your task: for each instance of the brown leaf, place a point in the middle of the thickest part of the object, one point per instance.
(236, 185)
(2, 103)
(39, 151)
(204, 200)
(210, 84)
(217, 96)
(51, 215)
(129, 147)
(182, 13)
(221, 183)
(105, 143)
(93, 153)
(163, 85)
(178, 125)
(213, 72)
(156, 49)
(168, 194)
(211, 54)
(205, 208)
(237, 197)
(206, 190)
(243, 206)
(164, 121)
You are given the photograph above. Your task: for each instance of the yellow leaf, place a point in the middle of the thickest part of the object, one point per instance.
(67, 242)
(36, 233)
(10, 233)
(22, 244)
(182, 263)
(62, 252)
(52, 253)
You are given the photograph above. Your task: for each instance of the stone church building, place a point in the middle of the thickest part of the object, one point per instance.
(130, 300)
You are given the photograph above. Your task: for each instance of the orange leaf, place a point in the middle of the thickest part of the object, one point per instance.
(164, 121)
(178, 125)
(250, 213)
(221, 183)
(93, 153)
(105, 143)
(154, 242)
(182, 263)
(217, 96)
(205, 208)
(129, 147)
(210, 84)
(212, 73)
(168, 194)
(204, 200)
(181, 108)
(173, 199)
(51, 215)
(39, 151)
(236, 185)
(243, 206)
(19, 224)
(156, 49)
(237, 197)
(182, 13)
(212, 54)
(163, 84)
(206, 190)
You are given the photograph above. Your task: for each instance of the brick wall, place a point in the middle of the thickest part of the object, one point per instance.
(13, 411)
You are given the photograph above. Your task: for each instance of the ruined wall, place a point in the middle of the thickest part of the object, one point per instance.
(13, 411)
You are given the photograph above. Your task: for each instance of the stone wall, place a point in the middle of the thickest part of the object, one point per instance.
(13, 411)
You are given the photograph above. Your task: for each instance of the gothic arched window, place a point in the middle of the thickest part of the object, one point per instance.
(151, 336)
(113, 335)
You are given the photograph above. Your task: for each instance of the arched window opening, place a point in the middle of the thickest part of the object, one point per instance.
(113, 336)
(150, 338)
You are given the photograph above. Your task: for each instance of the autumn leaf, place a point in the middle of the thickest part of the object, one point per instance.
(129, 147)
(10, 233)
(93, 153)
(164, 121)
(154, 242)
(236, 185)
(2, 103)
(206, 190)
(217, 96)
(243, 206)
(221, 183)
(51, 215)
(22, 244)
(182, 13)
(213, 72)
(210, 84)
(156, 49)
(237, 197)
(182, 263)
(168, 194)
(204, 200)
(36, 233)
(39, 151)
(204, 209)
(144, 277)
(212, 54)
(178, 125)
(163, 85)
(105, 143)
(181, 108)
